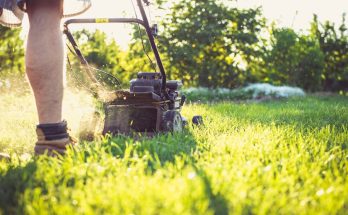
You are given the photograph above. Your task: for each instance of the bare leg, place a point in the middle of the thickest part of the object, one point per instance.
(45, 58)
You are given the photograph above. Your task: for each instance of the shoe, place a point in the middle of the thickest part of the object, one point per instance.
(54, 147)
(53, 139)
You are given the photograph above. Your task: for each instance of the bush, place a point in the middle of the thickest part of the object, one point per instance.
(253, 91)
(260, 90)
(294, 60)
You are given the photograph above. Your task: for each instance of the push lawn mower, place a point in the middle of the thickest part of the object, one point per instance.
(153, 103)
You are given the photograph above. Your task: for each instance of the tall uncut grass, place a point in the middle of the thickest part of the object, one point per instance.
(277, 157)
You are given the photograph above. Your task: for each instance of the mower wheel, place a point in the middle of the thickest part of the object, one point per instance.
(172, 122)
(184, 122)
(197, 120)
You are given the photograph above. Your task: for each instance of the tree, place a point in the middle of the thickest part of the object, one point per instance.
(293, 59)
(206, 41)
(310, 67)
(334, 44)
(139, 56)
(284, 56)
(101, 53)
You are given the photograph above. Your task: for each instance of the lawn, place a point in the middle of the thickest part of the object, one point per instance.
(274, 157)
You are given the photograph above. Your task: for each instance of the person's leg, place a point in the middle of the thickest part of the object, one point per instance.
(44, 58)
(45, 67)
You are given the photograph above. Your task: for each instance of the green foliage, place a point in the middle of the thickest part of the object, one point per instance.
(278, 157)
(294, 60)
(205, 41)
(310, 68)
(283, 58)
(334, 44)
(11, 52)
(103, 53)
(136, 58)
(207, 95)
(252, 92)
(210, 44)
(100, 52)
(206, 44)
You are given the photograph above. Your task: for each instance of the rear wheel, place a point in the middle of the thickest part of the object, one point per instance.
(172, 122)
(197, 120)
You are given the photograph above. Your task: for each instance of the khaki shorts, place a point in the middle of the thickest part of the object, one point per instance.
(12, 11)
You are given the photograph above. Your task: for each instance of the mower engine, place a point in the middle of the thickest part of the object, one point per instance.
(144, 108)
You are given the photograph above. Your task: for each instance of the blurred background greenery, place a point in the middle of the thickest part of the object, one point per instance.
(212, 44)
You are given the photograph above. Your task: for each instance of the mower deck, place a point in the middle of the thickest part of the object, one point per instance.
(142, 112)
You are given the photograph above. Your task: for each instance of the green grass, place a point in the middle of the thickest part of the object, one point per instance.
(277, 157)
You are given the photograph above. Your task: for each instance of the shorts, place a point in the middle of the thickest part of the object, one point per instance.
(12, 11)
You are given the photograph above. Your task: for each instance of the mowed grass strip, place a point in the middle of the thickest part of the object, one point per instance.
(277, 157)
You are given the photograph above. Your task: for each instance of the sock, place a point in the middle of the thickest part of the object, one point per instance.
(52, 131)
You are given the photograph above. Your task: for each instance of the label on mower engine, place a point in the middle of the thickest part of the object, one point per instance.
(102, 20)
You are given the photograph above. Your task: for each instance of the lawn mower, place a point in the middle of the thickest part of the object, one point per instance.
(153, 103)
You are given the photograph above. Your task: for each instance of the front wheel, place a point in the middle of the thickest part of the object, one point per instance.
(172, 122)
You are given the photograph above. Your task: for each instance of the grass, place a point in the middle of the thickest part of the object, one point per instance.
(276, 157)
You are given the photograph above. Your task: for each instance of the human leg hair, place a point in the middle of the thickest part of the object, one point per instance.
(45, 58)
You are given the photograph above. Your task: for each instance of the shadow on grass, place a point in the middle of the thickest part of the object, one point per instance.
(165, 148)
(217, 202)
(12, 184)
(161, 148)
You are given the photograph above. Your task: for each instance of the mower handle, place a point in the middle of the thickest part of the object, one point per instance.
(144, 22)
